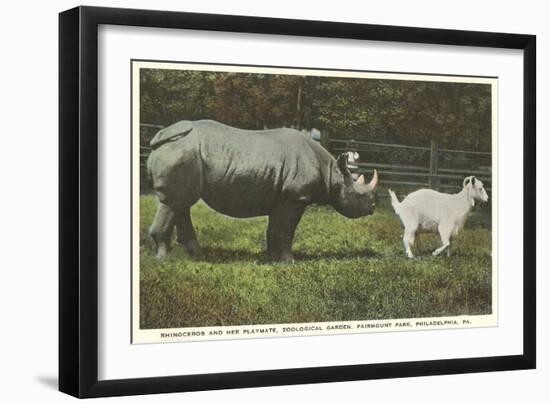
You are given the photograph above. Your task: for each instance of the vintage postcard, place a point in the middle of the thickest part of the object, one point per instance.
(278, 202)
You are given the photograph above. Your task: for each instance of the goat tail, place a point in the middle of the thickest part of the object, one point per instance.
(394, 201)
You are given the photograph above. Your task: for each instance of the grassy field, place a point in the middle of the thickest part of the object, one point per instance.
(344, 270)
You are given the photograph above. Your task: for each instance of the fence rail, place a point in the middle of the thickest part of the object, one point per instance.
(429, 171)
(432, 173)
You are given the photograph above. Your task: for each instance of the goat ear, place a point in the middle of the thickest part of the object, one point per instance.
(361, 179)
(469, 184)
(466, 181)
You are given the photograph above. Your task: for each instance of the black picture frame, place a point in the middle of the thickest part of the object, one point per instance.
(78, 200)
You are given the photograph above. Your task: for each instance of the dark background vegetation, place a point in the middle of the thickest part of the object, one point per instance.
(456, 115)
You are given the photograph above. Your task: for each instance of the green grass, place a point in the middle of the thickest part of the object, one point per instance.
(344, 270)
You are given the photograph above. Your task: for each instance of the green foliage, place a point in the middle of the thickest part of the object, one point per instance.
(457, 115)
(344, 270)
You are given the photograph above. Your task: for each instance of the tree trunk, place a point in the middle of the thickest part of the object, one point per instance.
(299, 103)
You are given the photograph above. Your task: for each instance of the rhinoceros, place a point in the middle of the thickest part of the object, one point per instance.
(247, 173)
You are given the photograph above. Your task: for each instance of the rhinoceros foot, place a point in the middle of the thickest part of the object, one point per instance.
(288, 259)
(162, 252)
(193, 248)
(282, 258)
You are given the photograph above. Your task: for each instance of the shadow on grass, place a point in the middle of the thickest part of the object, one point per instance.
(224, 255)
(344, 254)
(220, 255)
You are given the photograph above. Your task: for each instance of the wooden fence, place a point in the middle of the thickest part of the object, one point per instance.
(405, 167)
(401, 167)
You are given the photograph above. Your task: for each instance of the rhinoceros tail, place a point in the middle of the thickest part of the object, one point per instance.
(160, 140)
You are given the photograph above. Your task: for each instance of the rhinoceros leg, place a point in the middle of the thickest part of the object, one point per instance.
(283, 221)
(161, 230)
(185, 233)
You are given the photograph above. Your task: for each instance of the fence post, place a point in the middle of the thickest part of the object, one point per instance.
(325, 139)
(433, 181)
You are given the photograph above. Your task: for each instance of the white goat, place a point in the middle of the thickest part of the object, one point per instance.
(430, 210)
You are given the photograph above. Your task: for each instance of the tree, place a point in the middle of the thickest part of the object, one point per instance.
(456, 115)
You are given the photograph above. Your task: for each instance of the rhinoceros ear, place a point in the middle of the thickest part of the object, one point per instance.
(342, 163)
